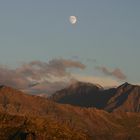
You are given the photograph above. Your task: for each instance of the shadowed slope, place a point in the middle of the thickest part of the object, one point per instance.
(83, 94)
(123, 98)
(126, 98)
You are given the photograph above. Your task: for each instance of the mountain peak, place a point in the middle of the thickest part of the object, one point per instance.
(127, 85)
(124, 85)
(79, 84)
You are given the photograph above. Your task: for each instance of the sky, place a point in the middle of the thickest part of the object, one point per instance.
(105, 39)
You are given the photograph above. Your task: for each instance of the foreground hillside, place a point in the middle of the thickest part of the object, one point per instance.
(26, 117)
(124, 98)
(15, 127)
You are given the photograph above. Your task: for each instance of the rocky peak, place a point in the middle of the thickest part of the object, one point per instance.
(78, 84)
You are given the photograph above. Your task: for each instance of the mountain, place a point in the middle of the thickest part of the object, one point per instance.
(17, 127)
(84, 94)
(23, 116)
(99, 126)
(28, 117)
(126, 97)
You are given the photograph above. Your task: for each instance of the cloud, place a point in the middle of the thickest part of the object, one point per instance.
(57, 84)
(50, 87)
(103, 81)
(117, 73)
(46, 77)
(12, 78)
(56, 67)
(37, 72)
(47, 87)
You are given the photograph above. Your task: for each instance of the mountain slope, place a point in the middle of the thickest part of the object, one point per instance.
(15, 127)
(126, 97)
(26, 117)
(83, 94)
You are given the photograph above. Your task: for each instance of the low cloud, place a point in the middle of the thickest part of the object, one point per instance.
(47, 87)
(12, 78)
(103, 81)
(42, 75)
(56, 67)
(46, 77)
(117, 73)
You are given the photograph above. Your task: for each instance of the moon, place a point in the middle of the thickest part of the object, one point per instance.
(73, 19)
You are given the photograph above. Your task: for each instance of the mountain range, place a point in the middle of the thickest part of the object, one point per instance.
(82, 111)
(125, 97)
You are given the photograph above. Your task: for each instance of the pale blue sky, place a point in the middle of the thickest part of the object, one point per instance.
(107, 30)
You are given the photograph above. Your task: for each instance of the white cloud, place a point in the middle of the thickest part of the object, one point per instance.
(103, 81)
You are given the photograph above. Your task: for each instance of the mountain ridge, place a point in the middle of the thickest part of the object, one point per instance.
(25, 117)
(112, 99)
